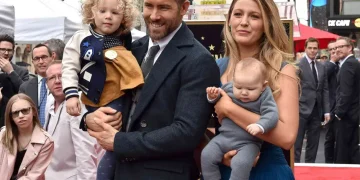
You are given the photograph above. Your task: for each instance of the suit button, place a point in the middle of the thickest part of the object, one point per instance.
(143, 124)
(96, 99)
(99, 91)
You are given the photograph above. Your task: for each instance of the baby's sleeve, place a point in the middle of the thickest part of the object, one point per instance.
(71, 65)
(268, 111)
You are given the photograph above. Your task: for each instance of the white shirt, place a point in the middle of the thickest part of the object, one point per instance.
(310, 61)
(162, 43)
(342, 61)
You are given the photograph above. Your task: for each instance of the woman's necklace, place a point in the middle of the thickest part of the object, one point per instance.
(23, 146)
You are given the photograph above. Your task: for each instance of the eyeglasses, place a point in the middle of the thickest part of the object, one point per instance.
(341, 46)
(54, 78)
(332, 49)
(3, 50)
(24, 111)
(43, 57)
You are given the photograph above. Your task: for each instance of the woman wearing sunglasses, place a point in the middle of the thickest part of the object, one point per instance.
(25, 148)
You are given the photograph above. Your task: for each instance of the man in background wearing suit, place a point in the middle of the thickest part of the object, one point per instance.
(169, 114)
(332, 68)
(11, 75)
(314, 101)
(347, 104)
(36, 88)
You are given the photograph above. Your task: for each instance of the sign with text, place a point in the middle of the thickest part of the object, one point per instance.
(344, 23)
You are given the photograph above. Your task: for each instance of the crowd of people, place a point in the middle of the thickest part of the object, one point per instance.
(330, 99)
(104, 106)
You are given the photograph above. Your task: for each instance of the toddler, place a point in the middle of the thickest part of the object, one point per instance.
(249, 90)
(98, 62)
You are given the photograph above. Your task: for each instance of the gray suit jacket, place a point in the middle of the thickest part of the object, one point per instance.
(310, 93)
(30, 88)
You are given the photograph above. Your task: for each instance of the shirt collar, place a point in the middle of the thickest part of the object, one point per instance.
(164, 41)
(308, 59)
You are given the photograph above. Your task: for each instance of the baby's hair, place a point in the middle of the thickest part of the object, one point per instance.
(125, 6)
(252, 65)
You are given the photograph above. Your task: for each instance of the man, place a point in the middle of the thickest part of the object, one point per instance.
(324, 57)
(332, 68)
(36, 87)
(169, 114)
(11, 75)
(57, 48)
(314, 101)
(347, 104)
(75, 155)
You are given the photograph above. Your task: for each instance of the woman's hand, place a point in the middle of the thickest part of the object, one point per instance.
(221, 106)
(229, 155)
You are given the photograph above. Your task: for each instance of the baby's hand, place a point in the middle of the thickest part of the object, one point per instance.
(253, 129)
(73, 106)
(213, 92)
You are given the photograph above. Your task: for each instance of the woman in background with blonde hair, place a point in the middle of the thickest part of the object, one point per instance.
(253, 29)
(25, 148)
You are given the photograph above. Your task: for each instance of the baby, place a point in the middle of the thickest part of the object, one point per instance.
(249, 90)
(98, 62)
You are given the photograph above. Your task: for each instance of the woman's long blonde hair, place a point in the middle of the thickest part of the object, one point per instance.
(11, 130)
(127, 8)
(274, 46)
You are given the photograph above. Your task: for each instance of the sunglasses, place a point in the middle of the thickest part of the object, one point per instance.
(24, 111)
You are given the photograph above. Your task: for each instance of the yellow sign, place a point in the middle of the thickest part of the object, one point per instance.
(357, 22)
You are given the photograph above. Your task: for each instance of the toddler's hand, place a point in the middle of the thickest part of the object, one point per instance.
(73, 106)
(253, 129)
(213, 92)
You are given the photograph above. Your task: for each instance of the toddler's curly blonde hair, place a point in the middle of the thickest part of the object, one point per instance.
(126, 7)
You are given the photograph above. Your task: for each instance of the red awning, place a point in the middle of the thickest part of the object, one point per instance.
(306, 32)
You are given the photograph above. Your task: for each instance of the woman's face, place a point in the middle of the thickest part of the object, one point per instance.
(246, 23)
(22, 114)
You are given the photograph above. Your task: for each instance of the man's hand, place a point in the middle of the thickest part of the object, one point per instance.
(1, 96)
(106, 137)
(105, 114)
(73, 106)
(213, 92)
(326, 118)
(253, 129)
(6, 66)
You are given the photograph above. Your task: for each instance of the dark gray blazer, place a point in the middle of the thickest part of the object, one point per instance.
(172, 113)
(30, 88)
(18, 76)
(310, 92)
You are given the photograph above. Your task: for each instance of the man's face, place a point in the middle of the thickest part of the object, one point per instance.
(41, 60)
(312, 49)
(53, 77)
(6, 50)
(163, 16)
(343, 48)
(332, 51)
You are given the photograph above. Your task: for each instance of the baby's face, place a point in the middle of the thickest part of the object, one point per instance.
(247, 88)
(108, 16)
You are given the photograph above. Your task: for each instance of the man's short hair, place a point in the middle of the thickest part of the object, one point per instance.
(57, 46)
(38, 46)
(311, 39)
(7, 38)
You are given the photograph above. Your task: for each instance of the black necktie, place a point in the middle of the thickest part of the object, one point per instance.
(314, 72)
(337, 66)
(149, 61)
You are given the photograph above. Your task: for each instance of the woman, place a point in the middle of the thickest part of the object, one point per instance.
(25, 148)
(253, 29)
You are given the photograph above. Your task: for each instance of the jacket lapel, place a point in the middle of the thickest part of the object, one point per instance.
(32, 150)
(163, 66)
(56, 118)
(33, 90)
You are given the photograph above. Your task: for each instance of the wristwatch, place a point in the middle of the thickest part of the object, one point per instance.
(337, 117)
